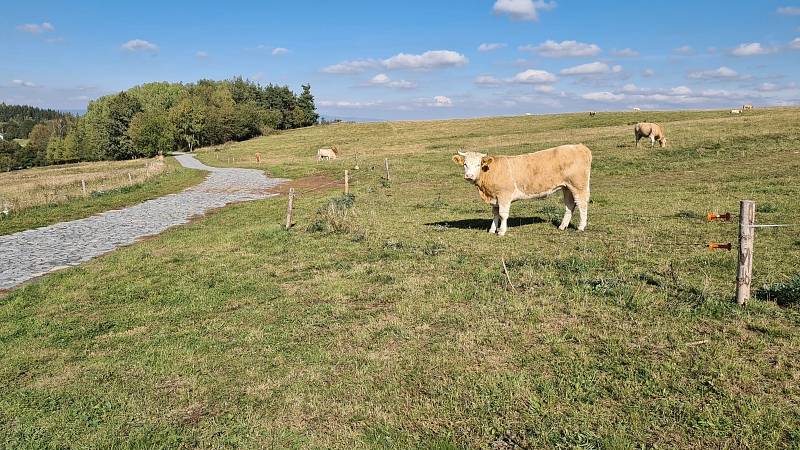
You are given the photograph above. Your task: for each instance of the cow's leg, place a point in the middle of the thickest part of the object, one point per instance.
(505, 207)
(637, 140)
(496, 219)
(652, 140)
(582, 199)
(569, 206)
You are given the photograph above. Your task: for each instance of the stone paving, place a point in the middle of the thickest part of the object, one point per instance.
(32, 253)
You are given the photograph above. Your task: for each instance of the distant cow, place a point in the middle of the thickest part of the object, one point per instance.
(736, 111)
(327, 153)
(652, 131)
(505, 179)
(747, 107)
(592, 113)
(636, 109)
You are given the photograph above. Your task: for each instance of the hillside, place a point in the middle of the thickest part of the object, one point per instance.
(17, 121)
(391, 322)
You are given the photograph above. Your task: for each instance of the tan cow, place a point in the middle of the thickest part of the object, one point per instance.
(747, 107)
(652, 131)
(327, 153)
(502, 180)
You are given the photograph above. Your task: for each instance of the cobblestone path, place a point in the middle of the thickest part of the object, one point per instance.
(32, 253)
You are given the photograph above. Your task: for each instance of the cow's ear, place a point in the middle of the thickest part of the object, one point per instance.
(458, 159)
(486, 160)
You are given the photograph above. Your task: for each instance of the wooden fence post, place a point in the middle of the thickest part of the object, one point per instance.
(747, 218)
(289, 209)
(386, 165)
(83, 187)
(130, 178)
(346, 182)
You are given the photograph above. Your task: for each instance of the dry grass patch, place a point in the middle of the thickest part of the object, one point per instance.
(23, 189)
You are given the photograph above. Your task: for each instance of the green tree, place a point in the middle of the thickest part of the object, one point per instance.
(188, 123)
(306, 102)
(121, 109)
(39, 137)
(152, 133)
(55, 151)
(9, 153)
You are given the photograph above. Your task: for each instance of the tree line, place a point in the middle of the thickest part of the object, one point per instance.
(17, 121)
(159, 117)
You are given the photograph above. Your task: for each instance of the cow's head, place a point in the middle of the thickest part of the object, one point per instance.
(663, 142)
(474, 163)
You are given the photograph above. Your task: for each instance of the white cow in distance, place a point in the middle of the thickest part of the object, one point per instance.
(327, 153)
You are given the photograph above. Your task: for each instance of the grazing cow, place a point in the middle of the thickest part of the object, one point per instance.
(592, 113)
(505, 179)
(747, 107)
(652, 131)
(327, 153)
(636, 109)
(736, 111)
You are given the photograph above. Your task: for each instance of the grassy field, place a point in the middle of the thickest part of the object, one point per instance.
(400, 329)
(46, 195)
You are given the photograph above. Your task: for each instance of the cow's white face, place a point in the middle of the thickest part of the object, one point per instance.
(473, 163)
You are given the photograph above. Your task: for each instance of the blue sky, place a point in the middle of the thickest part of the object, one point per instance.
(414, 59)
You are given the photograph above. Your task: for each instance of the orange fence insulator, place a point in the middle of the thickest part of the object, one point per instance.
(717, 246)
(723, 217)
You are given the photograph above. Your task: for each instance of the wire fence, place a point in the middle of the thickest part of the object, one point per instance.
(355, 179)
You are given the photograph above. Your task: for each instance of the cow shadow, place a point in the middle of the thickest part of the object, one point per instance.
(484, 224)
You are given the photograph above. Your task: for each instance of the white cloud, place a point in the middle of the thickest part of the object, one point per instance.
(681, 90)
(532, 76)
(795, 44)
(433, 59)
(429, 60)
(684, 50)
(553, 49)
(349, 67)
(768, 87)
(346, 104)
(648, 72)
(595, 68)
(544, 89)
(625, 53)
(23, 83)
(382, 79)
(201, 54)
(490, 47)
(522, 9)
(789, 11)
(718, 93)
(139, 45)
(631, 88)
(36, 28)
(487, 80)
(277, 51)
(751, 49)
(720, 73)
(440, 101)
(603, 96)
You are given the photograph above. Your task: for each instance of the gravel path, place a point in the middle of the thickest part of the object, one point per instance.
(32, 253)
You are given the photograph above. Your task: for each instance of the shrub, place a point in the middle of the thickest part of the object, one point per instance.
(336, 216)
(784, 294)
